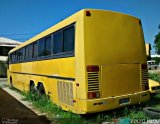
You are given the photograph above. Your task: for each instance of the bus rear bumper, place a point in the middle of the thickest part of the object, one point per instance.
(98, 105)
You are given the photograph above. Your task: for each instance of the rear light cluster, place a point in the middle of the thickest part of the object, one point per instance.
(93, 71)
(92, 95)
(92, 68)
(145, 85)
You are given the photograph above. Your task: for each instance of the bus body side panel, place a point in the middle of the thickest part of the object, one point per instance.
(50, 73)
(63, 78)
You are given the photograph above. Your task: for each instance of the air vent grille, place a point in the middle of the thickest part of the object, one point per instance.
(65, 92)
(145, 79)
(93, 81)
(144, 76)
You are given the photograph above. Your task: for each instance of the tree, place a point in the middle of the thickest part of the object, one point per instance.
(157, 42)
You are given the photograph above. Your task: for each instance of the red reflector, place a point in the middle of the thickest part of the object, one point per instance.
(92, 95)
(92, 68)
(145, 87)
(88, 13)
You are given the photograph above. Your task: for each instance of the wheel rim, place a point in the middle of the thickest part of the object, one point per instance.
(41, 90)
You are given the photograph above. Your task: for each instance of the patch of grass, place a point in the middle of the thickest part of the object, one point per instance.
(154, 76)
(47, 106)
(3, 85)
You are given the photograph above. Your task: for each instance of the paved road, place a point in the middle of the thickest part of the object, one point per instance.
(154, 70)
(3, 81)
(13, 111)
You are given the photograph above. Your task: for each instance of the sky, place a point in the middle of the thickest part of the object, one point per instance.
(23, 19)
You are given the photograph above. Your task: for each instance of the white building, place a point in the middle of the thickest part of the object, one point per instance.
(155, 56)
(5, 46)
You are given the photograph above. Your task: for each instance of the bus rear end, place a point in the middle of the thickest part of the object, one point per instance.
(115, 59)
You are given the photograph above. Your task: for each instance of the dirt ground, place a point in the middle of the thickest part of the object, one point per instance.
(12, 111)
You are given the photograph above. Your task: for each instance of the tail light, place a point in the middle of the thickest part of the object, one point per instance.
(144, 66)
(92, 95)
(92, 68)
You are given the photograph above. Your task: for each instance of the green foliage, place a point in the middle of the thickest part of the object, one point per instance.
(154, 76)
(157, 42)
(47, 106)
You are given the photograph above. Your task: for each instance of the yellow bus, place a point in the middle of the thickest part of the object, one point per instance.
(92, 61)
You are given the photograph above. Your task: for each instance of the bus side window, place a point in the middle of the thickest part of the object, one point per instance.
(68, 36)
(41, 47)
(48, 41)
(30, 50)
(9, 58)
(23, 56)
(57, 42)
(16, 56)
(35, 50)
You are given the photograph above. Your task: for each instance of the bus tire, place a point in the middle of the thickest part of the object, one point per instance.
(11, 82)
(41, 89)
(152, 113)
(32, 87)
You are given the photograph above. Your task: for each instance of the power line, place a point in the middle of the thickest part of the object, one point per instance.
(22, 39)
(17, 34)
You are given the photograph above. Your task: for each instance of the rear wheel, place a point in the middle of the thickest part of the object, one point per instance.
(41, 90)
(32, 88)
